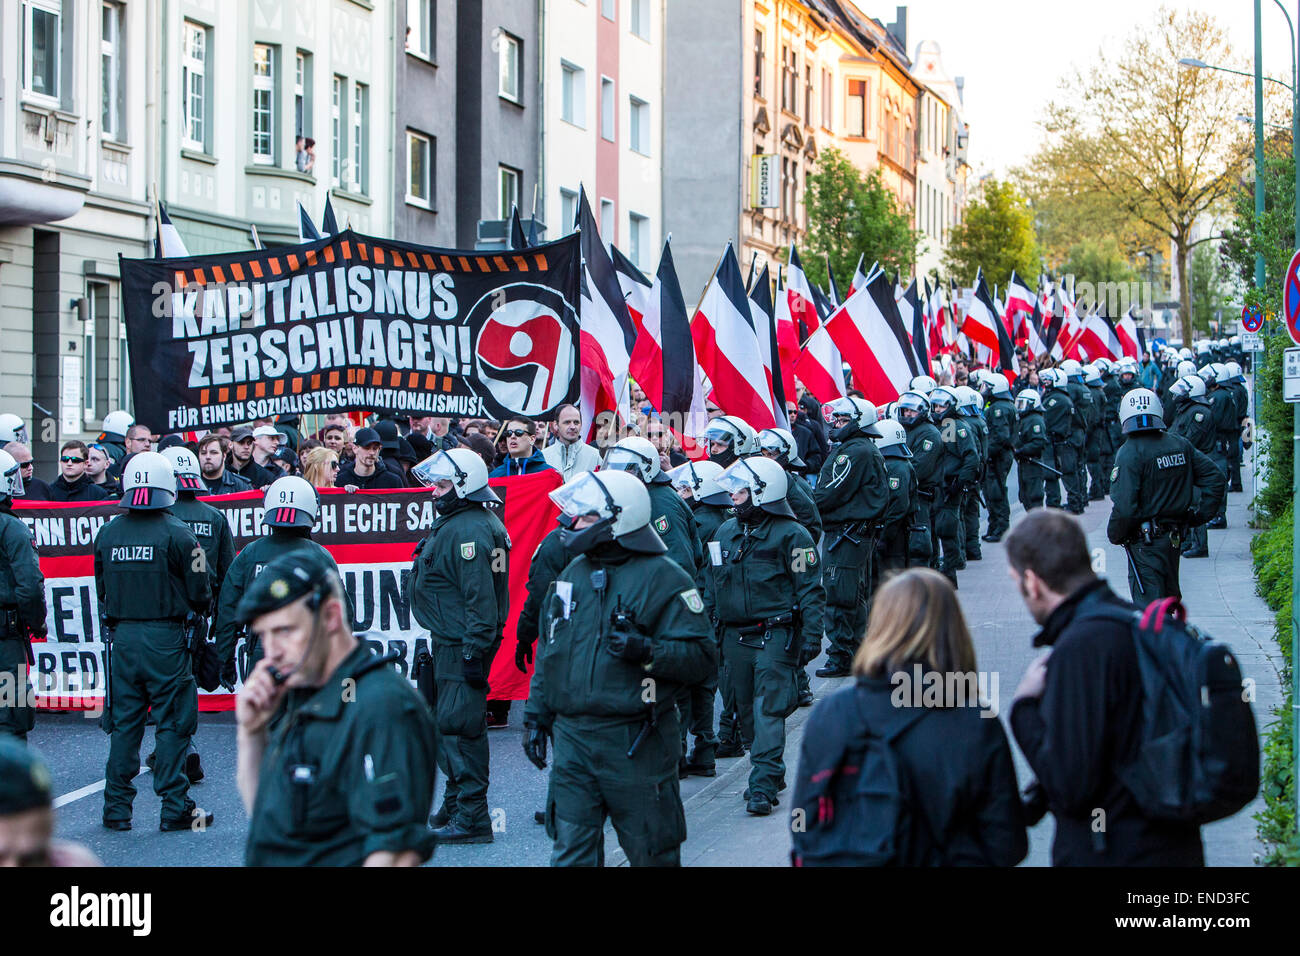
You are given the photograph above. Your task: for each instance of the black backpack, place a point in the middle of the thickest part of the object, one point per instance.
(860, 811)
(1199, 757)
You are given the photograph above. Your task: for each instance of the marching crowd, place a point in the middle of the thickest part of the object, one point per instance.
(709, 580)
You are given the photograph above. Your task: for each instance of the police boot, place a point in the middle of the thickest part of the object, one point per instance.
(831, 669)
(193, 769)
(730, 748)
(759, 804)
(992, 537)
(197, 819)
(806, 698)
(1196, 553)
(455, 833)
(1219, 522)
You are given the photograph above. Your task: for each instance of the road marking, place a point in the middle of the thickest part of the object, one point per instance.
(86, 791)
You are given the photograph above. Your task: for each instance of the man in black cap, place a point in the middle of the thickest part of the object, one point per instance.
(397, 455)
(27, 814)
(367, 469)
(241, 459)
(336, 750)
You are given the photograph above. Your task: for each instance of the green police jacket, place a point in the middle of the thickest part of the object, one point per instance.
(146, 568)
(800, 496)
(213, 531)
(1086, 414)
(708, 519)
(1224, 409)
(852, 484)
(960, 462)
(1194, 421)
(248, 565)
(1000, 416)
(348, 770)
(576, 674)
(1058, 415)
(765, 570)
(459, 588)
(981, 430)
(22, 585)
(926, 445)
(1161, 477)
(548, 561)
(671, 518)
(902, 491)
(1031, 437)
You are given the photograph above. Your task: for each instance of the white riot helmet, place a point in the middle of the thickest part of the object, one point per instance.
(892, 440)
(1185, 354)
(637, 456)
(1186, 368)
(12, 428)
(1189, 386)
(911, 407)
(1052, 378)
(782, 444)
(765, 480)
(1234, 339)
(942, 398)
(1091, 375)
(1234, 371)
(1071, 368)
(290, 502)
(701, 479)
(1126, 366)
(185, 467)
(118, 423)
(1202, 347)
(994, 384)
(1221, 374)
(735, 431)
(1207, 372)
(621, 505)
(856, 411)
(968, 399)
(11, 476)
(462, 467)
(1140, 410)
(1103, 365)
(1028, 400)
(148, 483)
(923, 384)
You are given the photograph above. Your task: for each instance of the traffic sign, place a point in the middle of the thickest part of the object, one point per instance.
(1291, 376)
(1250, 342)
(1252, 318)
(1291, 299)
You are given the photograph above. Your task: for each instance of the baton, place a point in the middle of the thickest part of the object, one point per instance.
(1045, 466)
(1133, 569)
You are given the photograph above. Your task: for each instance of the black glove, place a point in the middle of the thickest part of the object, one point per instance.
(229, 675)
(523, 656)
(472, 671)
(808, 653)
(630, 646)
(535, 744)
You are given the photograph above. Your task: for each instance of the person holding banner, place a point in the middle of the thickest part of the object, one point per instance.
(22, 605)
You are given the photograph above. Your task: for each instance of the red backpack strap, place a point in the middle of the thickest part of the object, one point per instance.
(1153, 617)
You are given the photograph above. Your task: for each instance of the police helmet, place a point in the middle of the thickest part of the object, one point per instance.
(994, 384)
(923, 384)
(637, 456)
(1185, 368)
(462, 467)
(1126, 366)
(859, 411)
(621, 505)
(1185, 354)
(765, 480)
(735, 431)
(290, 502)
(118, 423)
(968, 400)
(1052, 378)
(185, 467)
(1140, 410)
(1091, 375)
(701, 479)
(1028, 400)
(1234, 371)
(782, 445)
(11, 476)
(1202, 347)
(1071, 368)
(1189, 386)
(911, 407)
(12, 428)
(148, 483)
(942, 399)
(893, 437)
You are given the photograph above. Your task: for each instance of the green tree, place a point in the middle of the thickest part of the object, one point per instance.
(1209, 290)
(996, 235)
(1098, 260)
(852, 216)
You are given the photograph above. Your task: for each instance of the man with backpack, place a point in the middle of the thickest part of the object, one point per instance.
(1120, 795)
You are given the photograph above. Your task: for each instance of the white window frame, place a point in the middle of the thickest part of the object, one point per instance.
(639, 19)
(636, 240)
(88, 351)
(421, 19)
(607, 224)
(360, 126)
(125, 399)
(638, 129)
(506, 204)
(568, 210)
(424, 202)
(576, 78)
(110, 72)
(53, 8)
(192, 68)
(338, 94)
(609, 9)
(608, 109)
(511, 51)
(264, 85)
(299, 94)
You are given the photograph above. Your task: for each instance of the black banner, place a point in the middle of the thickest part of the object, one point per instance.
(350, 322)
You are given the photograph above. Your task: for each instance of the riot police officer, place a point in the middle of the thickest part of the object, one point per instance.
(1236, 382)
(545, 565)
(460, 592)
(148, 580)
(289, 508)
(1097, 441)
(625, 632)
(912, 411)
(1223, 407)
(895, 550)
(670, 516)
(728, 438)
(1083, 423)
(852, 494)
(1058, 417)
(1029, 447)
(1193, 420)
(959, 471)
(22, 605)
(336, 751)
(769, 600)
(1160, 483)
(1000, 416)
(970, 406)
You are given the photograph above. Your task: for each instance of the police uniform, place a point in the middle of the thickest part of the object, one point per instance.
(349, 767)
(895, 550)
(22, 615)
(926, 445)
(547, 562)
(1098, 446)
(960, 464)
(1000, 416)
(1031, 444)
(1058, 418)
(697, 702)
(1242, 397)
(1223, 407)
(460, 593)
(212, 530)
(1083, 422)
(970, 508)
(1194, 421)
(148, 582)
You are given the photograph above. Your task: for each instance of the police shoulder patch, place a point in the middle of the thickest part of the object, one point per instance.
(661, 524)
(841, 459)
(961, 433)
(997, 413)
(467, 550)
(893, 483)
(810, 556)
(694, 603)
(927, 444)
(1200, 416)
(1114, 473)
(1037, 429)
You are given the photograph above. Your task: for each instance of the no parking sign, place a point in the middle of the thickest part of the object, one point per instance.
(1291, 299)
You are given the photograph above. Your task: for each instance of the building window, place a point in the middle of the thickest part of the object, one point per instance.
(42, 46)
(828, 112)
(856, 114)
(759, 63)
(607, 220)
(640, 126)
(124, 399)
(607, 112)
(511, 67)
(568, 210)
(638, 239)
(96, 297)
(573, 100)
(194, 79)
(608, 9)
(789, 78)
(360, 140)
(421, 17)
(112, 82)
(263, 103)
(507, 190)
(641, 18)
(336, 131)
(808, 113)
(304, 161)
(419, 169)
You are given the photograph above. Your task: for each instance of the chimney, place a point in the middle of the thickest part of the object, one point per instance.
(898, 29)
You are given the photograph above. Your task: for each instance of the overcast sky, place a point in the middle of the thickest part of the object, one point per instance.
(1014, 52)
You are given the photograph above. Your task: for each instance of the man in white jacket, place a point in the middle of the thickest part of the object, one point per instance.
(567, 453)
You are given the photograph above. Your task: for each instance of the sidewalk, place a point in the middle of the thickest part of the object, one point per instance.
(1220, 596)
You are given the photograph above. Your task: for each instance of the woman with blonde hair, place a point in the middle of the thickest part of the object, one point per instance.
(320, 467)
(909, 765)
